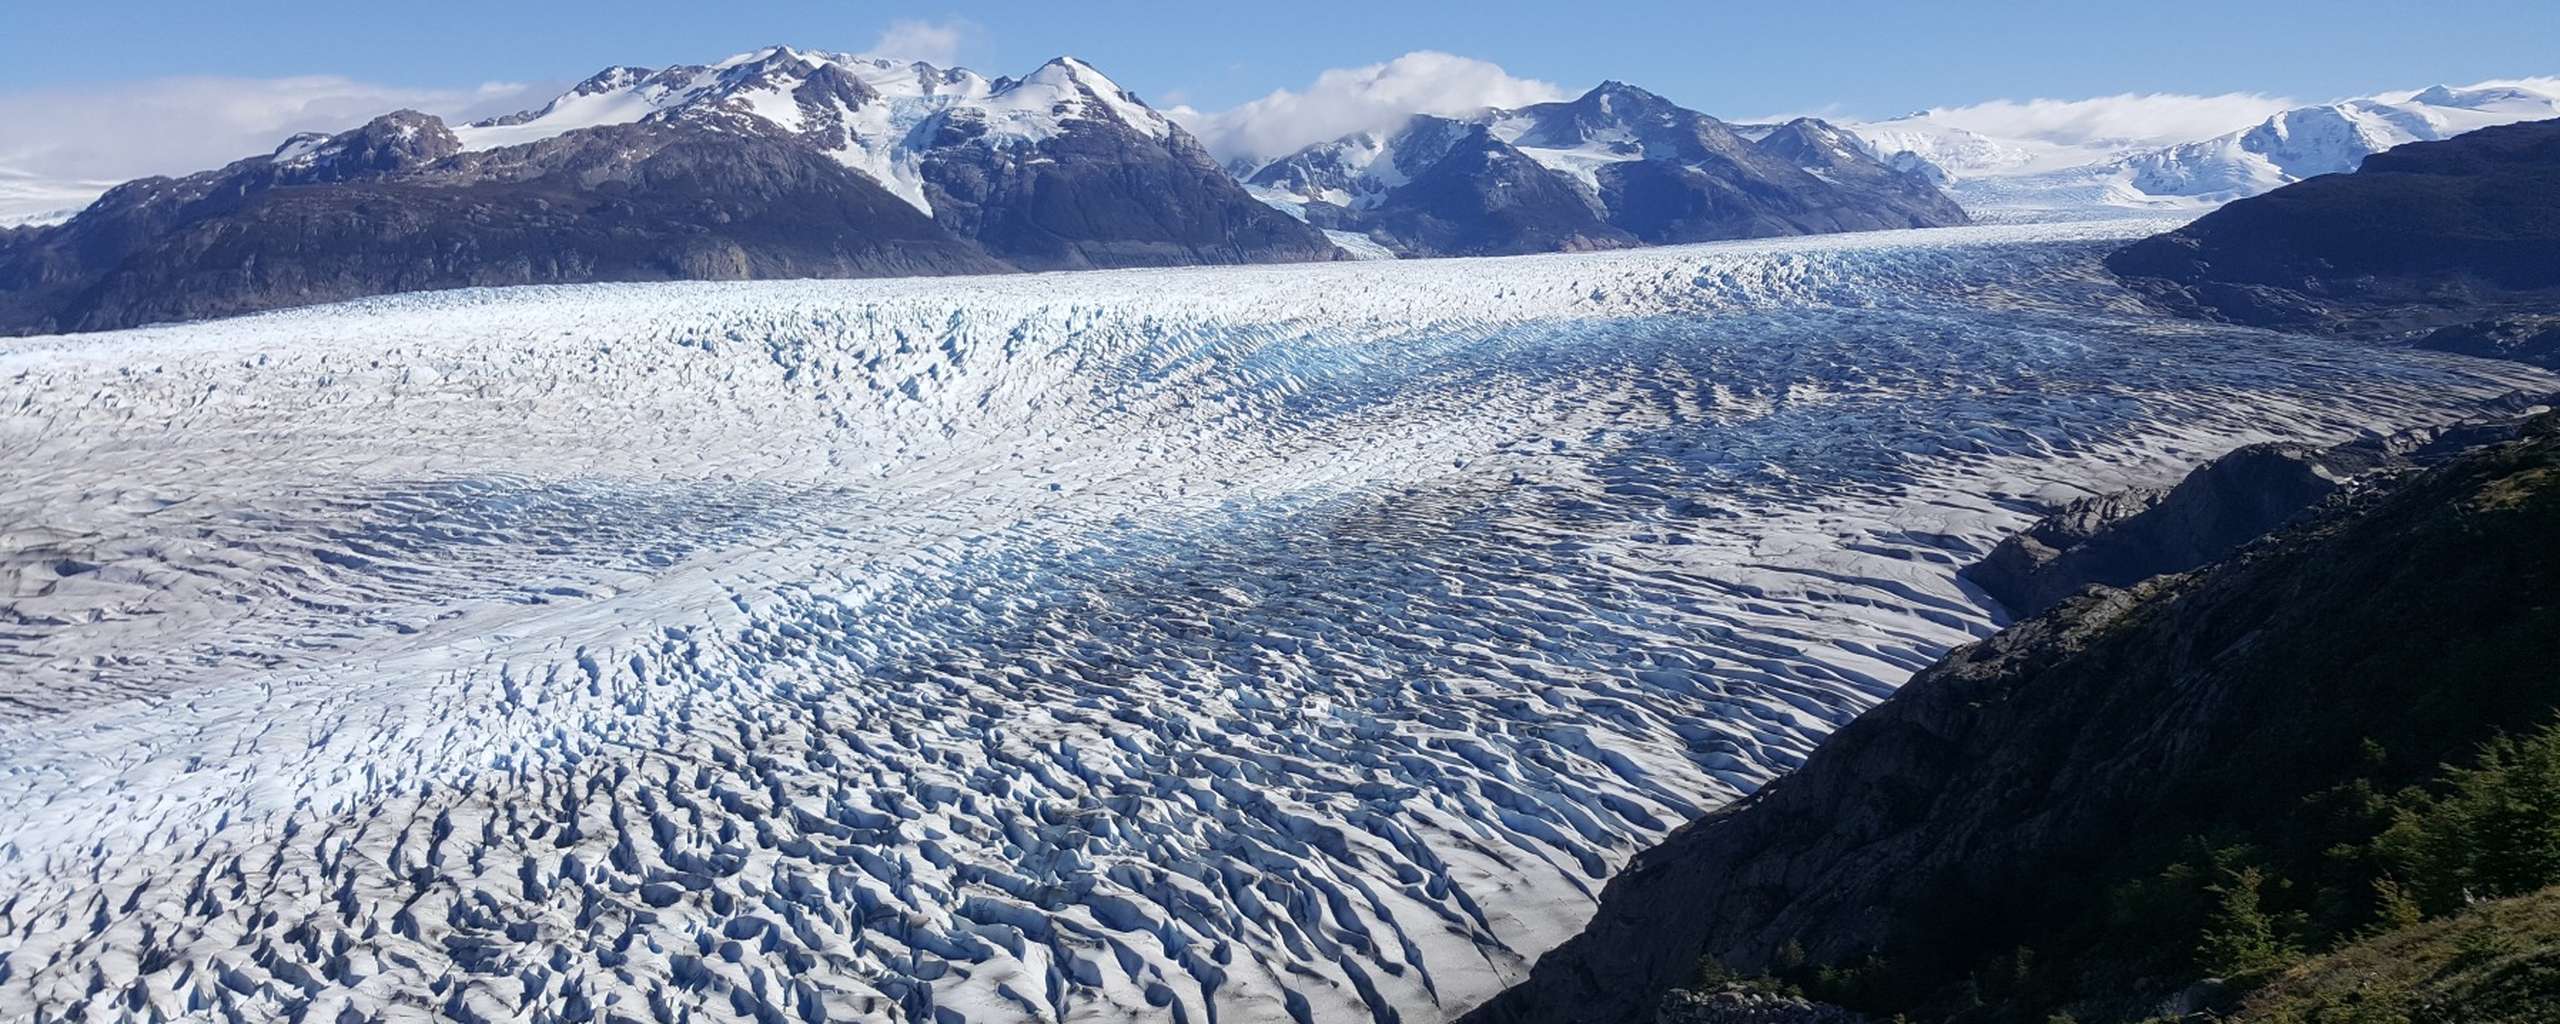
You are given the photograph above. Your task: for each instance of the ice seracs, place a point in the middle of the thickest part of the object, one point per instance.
(1259, 644)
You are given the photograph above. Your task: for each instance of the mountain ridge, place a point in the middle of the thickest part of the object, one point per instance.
(1613, 167)
(773, 163)
(618, 178)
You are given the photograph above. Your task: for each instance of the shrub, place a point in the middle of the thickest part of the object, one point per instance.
(2240, 939)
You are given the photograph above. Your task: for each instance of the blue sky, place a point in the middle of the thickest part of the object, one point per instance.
(1871, 58)
(107, 91)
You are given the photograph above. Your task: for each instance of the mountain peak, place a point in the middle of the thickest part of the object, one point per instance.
(619, 76)
(1617, 164)
(774, 53)
(1817, 145)
(1614, 90)
(1071, 75)
(1063, 69)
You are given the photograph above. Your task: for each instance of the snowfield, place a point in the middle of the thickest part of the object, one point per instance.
(1264, 644)
(2070, 176)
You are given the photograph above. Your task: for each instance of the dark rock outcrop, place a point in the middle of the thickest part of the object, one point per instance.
(1734, 1005)
(2525, 338)
(1986, 806)
(2120, 539)
(2422, 236)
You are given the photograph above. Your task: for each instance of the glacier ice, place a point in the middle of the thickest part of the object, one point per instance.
(1256, 644)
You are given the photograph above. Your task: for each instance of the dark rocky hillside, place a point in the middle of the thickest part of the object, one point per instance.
(2423, 236)
(1484, 197)
(2198, 776)
(2121, 539)
(1806, 177)
(1107, 196)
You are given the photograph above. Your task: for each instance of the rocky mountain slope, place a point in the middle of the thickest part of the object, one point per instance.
(777, 163)
(2123, 538)
(2047, 821)
(2424, 236)
(1617, 166)
(393, 206)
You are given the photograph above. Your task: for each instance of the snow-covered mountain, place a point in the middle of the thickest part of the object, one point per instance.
(2330, 139)
(1616, 166)
(881, 117)
(776, 163)
(2038, 178)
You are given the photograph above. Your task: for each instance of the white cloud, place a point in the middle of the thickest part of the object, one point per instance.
(1347, 100)
(2130, 118)
(182, 125)
(940, 43)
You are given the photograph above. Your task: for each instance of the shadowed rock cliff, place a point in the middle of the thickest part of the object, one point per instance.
(1994, 803)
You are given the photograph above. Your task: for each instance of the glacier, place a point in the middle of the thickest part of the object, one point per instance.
(1247, 644)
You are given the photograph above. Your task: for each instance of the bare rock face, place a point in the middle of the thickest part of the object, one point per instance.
(2124, 538)
(389, 144)
(2525, 338)
(1741, 1006)
(2119, 539)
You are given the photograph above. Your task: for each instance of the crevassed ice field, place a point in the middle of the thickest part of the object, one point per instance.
(1303, 643)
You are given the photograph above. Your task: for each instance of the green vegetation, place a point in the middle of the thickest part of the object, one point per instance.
(2492, 963)
(2359, 877)
(2487, 831)
(2240, 940)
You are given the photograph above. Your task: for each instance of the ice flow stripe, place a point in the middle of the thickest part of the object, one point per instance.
(1242, 645)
